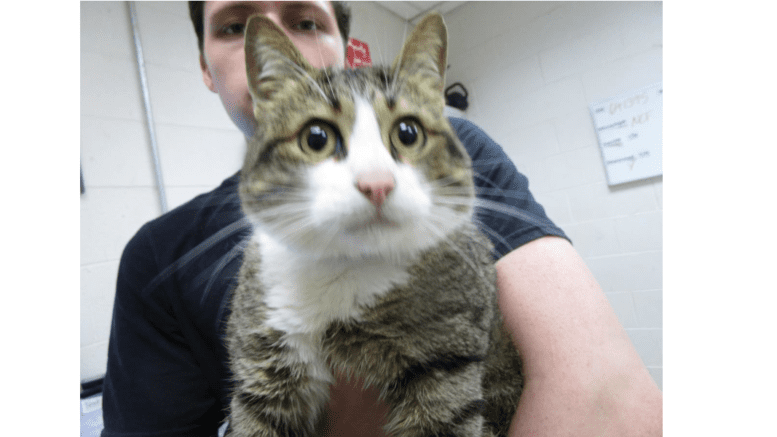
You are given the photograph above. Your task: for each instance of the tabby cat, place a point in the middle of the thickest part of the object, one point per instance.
(364, 259)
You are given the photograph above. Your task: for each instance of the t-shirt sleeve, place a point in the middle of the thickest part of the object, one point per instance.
(505, 209)
(153, 384)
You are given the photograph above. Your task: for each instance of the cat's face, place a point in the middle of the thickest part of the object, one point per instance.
(311, 26)
(353, 162)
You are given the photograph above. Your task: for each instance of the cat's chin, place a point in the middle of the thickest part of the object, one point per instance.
(379, 238)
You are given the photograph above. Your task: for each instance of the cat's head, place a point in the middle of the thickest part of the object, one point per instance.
(353, 162)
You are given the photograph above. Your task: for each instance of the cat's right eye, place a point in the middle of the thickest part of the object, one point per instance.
(320, 139)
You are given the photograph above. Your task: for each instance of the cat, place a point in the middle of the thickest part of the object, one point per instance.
(364, 258)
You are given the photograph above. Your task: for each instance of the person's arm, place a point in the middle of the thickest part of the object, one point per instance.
(583, 376)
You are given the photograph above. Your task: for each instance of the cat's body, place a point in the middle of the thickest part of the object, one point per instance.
(364, 260)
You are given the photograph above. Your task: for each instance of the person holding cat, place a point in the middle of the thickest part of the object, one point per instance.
(167, 372)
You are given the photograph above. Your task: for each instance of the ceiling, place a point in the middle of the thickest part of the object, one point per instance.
(413, 10)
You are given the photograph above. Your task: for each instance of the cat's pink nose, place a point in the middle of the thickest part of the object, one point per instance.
(376, 185)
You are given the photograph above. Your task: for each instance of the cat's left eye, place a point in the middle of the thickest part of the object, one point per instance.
(407, 136)
(320, 139)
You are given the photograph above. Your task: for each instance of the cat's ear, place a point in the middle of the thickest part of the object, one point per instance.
(425, 52)
(271, 58)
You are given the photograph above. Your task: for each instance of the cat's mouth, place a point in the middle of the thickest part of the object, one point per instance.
(377, 222)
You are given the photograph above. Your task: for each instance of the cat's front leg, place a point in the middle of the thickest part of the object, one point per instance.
(279, 393)
(442, 397)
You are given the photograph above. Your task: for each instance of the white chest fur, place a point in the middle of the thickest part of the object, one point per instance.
(305, 294)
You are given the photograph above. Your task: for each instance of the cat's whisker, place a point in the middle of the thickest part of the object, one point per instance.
(446, 181)
(491, 205)
(229, 231)
(325, 70)
(457, 199)
(216, 272)
(491, 233)
(483, 191)
(375, 24)
(478, 204)
(309, 79)
(445, 186)
(442, 236)
(515, 194)
(286, 215)
(478, 176)
(378, 49)
(395, 80)
(493, 162)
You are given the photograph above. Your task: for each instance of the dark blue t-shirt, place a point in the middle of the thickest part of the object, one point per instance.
(167, 362)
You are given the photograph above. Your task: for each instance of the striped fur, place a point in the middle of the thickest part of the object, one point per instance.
(416, 318)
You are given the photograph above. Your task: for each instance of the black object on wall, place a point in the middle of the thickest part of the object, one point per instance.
(455, 98)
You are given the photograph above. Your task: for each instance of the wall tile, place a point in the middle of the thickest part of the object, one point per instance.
(501, 85)
(94, 361)
(640, 232)
(643, 26)
(581, 54)
(596, 201)
(547, 103)
(575, 130)
(98, 287)
(548, 30)
(556, 205)
(594, 238)
(110, 87)
(531, 144)
(478, 25)
(466, 66)
(473, 31)
(168, 39)
(106, 30)
(623, 75)
(628, 272)
(658, 187)
(649, 306)
(115, 153)
(179, 9)
(467, 23)
(623, 305)
(658, 376)
(110, 217)
(181, 98)
(496, 120)
(648, 343)
(381, 29)
(591, 17)
(199, 156)
(540, 182)
(570, 169)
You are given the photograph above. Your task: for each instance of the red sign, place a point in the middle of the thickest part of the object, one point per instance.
(358, 54)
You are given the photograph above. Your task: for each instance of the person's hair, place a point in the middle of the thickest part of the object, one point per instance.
(342, 15)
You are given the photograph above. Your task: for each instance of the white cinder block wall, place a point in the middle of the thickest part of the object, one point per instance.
(198, 145)
(531, 69)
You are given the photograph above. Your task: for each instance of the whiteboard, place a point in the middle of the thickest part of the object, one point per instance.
(628, 127)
